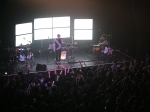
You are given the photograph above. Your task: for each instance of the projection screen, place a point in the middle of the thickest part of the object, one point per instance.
(83, 29)
(48, 28)
(23, 34)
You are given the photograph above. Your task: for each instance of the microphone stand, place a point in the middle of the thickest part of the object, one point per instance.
(28, 53)
(48, 50)
(71, 49)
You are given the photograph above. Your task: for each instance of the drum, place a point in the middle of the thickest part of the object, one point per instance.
(21, 57)
(96, 48)
(51, 46)
(63, 48)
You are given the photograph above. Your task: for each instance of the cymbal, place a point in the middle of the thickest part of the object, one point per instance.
(101, 44)
(96, 45)
(102, 37)
(28, 44)
(28, 48)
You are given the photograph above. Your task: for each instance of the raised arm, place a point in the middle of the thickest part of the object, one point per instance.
(55, 72)
(49, 73)
(85, 65)
(61, 70)
(80, 64)
(7, 81)
(68, 69)
(65, 71)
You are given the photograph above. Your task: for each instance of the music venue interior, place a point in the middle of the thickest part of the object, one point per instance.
(103, 42)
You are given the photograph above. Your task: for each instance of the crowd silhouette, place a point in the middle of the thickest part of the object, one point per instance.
(117, 87)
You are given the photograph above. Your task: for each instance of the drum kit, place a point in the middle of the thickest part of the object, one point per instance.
(71, 48)
(23, 52)
(102, 45)
(68, 47)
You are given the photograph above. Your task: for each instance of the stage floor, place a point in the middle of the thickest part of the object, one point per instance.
(90, 59)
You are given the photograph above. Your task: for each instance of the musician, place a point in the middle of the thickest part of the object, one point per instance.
(57, 48)
(30, 56)
(21, 57)
(110, 51)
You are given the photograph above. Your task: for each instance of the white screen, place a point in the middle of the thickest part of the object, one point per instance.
(42, 23)
(61, 21)
(83, 29)
(23, 28)
(83, 34)
(83, 24)
(42, 34)
(48, 28)
(64, 32)
(23, 39)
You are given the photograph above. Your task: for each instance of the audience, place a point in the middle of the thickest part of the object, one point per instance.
(120, 87)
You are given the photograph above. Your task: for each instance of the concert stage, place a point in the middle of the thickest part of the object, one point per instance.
(90, 59)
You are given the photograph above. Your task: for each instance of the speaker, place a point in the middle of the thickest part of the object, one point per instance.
(40, 67)
(44, 67)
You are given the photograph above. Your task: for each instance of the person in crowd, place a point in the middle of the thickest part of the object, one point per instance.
(103, 88)
(146, 59)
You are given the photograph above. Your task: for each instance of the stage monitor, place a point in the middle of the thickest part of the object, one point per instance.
(83, 29)
(24, 28)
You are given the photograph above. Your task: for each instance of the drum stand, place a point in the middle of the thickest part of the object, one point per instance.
(71, 57)
(71, 53)
(96, 53)
(90, 50)
(29, 60)
(49, 53)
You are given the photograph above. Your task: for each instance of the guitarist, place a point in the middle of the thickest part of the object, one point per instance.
(57, 48)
